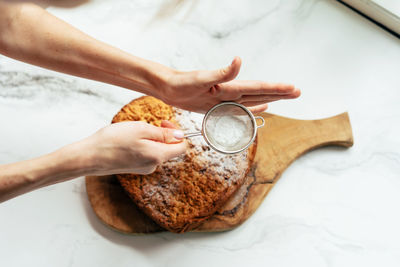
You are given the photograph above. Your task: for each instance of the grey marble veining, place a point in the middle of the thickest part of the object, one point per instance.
(22, 85)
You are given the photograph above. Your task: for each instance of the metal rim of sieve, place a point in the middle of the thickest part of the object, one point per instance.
(251, 116)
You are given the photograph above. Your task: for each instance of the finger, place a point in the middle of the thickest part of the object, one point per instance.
(168, 124)
(253, 104)
(267, 98)
(258, 108)
(163, 135)
(258, 88)
(226, 74)
(167, 151)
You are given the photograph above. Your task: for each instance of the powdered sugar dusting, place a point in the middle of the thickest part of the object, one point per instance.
(231, 166)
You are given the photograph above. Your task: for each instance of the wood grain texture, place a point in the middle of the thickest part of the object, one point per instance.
(280, 142)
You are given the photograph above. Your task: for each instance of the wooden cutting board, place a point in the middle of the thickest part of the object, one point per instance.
(280, 142)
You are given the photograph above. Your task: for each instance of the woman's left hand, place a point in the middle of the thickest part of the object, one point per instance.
(200, 90)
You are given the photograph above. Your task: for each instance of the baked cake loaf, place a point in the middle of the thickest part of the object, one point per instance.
(184, 191)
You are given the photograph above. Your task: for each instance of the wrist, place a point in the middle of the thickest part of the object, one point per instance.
(61, 165)
(77, 159)
(125, 70)
(157, 79)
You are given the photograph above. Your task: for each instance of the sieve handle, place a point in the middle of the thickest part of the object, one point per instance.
(192, 134)
(263, 121)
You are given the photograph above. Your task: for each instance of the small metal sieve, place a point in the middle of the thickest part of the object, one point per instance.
(229, 128)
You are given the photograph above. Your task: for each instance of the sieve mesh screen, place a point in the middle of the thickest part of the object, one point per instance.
(229, 128)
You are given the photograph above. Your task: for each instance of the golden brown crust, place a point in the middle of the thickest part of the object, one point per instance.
(184, 191)
(147, 109)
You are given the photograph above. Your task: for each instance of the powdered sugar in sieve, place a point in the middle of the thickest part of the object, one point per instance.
(229, 128)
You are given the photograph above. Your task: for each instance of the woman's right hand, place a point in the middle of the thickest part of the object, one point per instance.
(125, 147)
(132, 147)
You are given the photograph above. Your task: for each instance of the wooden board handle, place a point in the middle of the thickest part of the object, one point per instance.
(286, 139)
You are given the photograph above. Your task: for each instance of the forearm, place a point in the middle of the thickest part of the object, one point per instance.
(61, 165)
(29, 33)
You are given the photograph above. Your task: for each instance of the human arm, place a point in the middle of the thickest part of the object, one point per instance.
(126, 147)
(31, 34)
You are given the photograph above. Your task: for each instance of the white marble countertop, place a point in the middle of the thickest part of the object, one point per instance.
(332, 207)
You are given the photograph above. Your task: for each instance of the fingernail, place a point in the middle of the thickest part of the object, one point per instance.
(178, 134)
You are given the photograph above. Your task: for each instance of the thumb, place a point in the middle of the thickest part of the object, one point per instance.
(164, 135)
(225, 74)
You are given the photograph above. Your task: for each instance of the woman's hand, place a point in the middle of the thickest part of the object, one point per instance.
(200, 90)
(132, 147)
